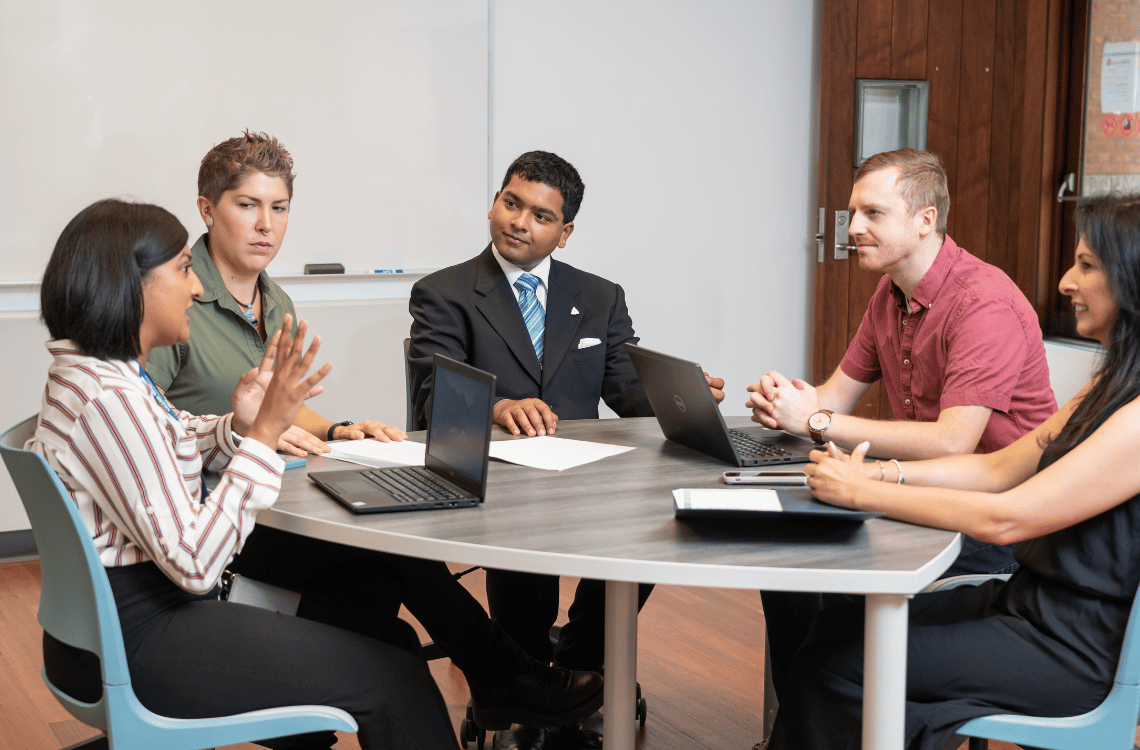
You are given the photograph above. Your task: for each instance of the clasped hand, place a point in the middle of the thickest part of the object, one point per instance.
(782, 404)
(268, 398)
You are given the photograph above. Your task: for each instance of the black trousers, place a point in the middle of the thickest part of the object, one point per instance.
(361, 590)
(964, 660)
(193, 656)
(526, 605)
(788, 615)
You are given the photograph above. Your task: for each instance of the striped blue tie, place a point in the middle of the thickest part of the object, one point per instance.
(533, 314)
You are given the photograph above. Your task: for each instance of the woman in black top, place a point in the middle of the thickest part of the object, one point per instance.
(1066, 495)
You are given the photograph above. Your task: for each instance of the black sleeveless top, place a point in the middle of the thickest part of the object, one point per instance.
(1076, 585)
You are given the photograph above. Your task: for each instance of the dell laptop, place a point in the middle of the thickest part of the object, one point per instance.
(454, 474)
(689, 415)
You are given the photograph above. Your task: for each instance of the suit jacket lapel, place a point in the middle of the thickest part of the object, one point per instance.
(563, 296)
(500, 308)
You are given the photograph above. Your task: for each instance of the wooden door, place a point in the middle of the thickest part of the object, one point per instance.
(992, 67)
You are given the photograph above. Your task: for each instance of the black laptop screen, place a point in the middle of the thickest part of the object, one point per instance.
(458, 424)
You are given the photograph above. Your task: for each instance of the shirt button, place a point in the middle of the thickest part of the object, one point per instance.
(907, 402)
(906, 362)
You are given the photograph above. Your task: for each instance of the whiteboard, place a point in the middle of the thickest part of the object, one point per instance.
(382, 103)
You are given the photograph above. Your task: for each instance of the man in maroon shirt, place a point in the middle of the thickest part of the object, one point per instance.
(957, 344)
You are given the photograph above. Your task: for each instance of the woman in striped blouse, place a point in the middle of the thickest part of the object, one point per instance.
(118, 284)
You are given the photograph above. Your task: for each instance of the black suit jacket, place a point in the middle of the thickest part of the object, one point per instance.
(468, 312)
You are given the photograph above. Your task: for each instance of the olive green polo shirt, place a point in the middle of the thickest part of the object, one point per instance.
(200, 376)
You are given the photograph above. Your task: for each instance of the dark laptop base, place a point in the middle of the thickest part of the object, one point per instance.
(358, 495)
(457, 453)
(689, 415)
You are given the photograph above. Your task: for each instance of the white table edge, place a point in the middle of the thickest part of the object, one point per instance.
(667, 572)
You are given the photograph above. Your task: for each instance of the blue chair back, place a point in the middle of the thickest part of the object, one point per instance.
(78, 608)
(1109, 726)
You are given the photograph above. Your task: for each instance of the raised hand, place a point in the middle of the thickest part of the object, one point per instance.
(279, 385)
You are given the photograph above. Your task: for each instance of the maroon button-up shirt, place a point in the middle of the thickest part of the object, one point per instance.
(971, 338)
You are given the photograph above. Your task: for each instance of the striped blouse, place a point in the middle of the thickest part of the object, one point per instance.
(135, 470)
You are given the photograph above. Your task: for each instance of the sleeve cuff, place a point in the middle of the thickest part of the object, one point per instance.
(996, 401)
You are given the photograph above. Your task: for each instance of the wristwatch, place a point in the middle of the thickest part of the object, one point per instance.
(817, 423)
(332, 428)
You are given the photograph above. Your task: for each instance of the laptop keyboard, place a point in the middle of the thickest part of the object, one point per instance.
(750, 447)
(412, 484)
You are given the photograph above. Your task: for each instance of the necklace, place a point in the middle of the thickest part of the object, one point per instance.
(247, 310)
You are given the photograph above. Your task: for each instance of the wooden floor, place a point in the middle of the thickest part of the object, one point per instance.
(700, 665)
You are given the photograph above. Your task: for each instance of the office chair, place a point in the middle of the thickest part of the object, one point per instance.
(77, 608)
(410, 422)
(1109, 726)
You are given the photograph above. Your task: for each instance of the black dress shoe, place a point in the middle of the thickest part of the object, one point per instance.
(585, 734)
(519, 737)
(540, 697)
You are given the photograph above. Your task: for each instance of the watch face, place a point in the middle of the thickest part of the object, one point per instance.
(819, 420)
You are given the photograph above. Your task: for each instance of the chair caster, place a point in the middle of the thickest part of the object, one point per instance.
(470, 732)
(640, 708)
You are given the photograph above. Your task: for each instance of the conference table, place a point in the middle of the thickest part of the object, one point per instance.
(613, 520)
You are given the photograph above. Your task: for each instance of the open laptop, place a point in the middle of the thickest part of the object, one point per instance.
(689, 415)
(454, 474)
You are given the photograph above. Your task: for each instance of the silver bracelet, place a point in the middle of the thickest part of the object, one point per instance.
(898, 466)
(882, 472)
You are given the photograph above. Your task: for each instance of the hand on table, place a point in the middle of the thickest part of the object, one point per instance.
(529, 415)
(716, 385)
(369, 428)
(300, 442)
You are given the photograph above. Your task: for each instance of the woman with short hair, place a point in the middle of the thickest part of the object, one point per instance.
(245, 194)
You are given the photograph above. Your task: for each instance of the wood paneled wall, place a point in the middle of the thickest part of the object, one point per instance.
(994, 68)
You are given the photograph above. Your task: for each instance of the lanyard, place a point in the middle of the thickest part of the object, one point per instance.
(155, 392)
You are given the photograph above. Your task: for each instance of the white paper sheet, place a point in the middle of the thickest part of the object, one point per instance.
(553, 453)
(374, 453)
(727, 499)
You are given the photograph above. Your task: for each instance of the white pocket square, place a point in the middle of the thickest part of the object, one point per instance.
(573, 311)
(587, 343)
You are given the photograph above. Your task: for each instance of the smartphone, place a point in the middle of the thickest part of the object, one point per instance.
(770, 478)
(291, 461)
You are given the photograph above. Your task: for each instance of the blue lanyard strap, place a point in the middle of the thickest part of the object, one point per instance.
(155, 392)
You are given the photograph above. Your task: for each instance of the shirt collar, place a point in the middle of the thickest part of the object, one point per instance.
(214, 288)
(513, 272)
(934, 278)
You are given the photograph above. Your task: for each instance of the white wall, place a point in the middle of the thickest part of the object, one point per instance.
(695, 129)
(694, 126)
(1071, 365)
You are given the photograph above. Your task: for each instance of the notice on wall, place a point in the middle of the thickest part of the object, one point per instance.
(1120, 77)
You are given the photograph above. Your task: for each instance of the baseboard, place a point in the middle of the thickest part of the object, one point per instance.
(17, 545)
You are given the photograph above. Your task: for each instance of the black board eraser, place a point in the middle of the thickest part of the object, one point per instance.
(314, 268)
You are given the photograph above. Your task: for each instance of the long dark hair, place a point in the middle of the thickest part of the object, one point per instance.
(92, 291)
(1111, 226)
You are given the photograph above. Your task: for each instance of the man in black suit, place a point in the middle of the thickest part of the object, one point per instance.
(571, 354)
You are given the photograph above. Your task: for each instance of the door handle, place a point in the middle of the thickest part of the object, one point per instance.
(842, 238)
(1068, 185)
